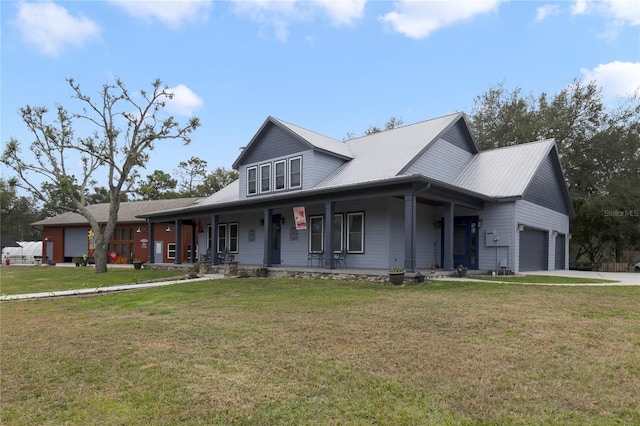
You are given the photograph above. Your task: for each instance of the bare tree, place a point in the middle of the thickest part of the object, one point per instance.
(127, 125)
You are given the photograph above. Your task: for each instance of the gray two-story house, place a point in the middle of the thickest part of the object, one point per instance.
(416, 197)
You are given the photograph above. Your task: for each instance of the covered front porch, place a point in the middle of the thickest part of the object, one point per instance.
(409, 224)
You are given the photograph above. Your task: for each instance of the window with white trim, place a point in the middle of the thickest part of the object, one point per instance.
(337, 233)
(228, 237)
(252, 180)
(280, 175)
(222, 238)
(265, 177)
(295, 172)
(355, 232)
(316, 233)
(171, 250)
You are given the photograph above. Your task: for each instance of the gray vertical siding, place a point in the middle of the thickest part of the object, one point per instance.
(275, 142)
(458, 135)
(544, 188)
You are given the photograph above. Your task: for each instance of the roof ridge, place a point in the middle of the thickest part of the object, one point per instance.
(408, 125)
(304, 128)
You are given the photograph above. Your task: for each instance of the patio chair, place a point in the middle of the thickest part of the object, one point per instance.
(340, 258)
(223, 256)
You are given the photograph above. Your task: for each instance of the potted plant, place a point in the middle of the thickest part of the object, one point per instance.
(137, 263)
(462, 271)
(396, 275)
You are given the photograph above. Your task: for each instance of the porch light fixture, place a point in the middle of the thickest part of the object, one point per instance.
(437, 224)
(47, 238)
(139, 230)
(479, 224)
(521, 227)
(168, 229)
(555, 234)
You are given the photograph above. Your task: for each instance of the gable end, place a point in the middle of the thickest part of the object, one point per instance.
(459, 136)
(547, 187)
(273, 142)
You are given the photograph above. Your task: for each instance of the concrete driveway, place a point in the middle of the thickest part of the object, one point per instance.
(623, 278)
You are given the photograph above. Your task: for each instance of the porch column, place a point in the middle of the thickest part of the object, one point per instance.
(447, 249)
(178, 242)
(329, 211)
(266, 260)
(193, 253)
(213, 242)
(152, 242)
(410, 232)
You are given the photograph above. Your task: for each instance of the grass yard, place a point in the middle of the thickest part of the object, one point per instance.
(36, 279)
(262, 351)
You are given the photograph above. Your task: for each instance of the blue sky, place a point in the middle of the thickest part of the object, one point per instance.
(333, 67)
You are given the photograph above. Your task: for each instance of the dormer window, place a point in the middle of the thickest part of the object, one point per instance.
(252, 181)
(295, 172)
(265, 178)
(280, 175)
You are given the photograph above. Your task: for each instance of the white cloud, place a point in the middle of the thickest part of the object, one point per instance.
(277, 15)
(619, 12)
(184, 101)
(343, 12)
(51, 28)
(173, 14)
(616, 78)
(543, 12)
(418, 19)
(579, 7)
(624, 11)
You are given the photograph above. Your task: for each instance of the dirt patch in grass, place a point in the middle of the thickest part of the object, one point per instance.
(307, 352)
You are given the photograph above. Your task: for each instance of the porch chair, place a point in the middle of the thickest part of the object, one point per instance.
(340, 258)
(222, 256)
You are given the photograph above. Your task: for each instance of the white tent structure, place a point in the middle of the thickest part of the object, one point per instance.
(24, 253)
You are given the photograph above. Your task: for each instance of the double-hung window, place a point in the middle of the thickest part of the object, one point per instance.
(227, 237)
(265, 177)
(355, 232)
(316, 233)
(171, 251)
(337, 233)
(295, 172)
(280, 175)
(252, 180)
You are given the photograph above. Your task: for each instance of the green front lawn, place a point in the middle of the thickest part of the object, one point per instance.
(316, 352)
(36, 279)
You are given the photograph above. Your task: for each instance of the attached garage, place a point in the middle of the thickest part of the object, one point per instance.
(534, 250)
(560, 251)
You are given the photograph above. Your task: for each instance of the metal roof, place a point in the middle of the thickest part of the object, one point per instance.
(126, 214)
(386, 154)
(504, 172)
(318, 141)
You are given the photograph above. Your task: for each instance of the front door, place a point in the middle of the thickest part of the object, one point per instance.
(275, 239)
(465, 241)
(157, 252)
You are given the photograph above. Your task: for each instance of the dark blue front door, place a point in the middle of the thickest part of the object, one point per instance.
(465, 241)
(275, 239)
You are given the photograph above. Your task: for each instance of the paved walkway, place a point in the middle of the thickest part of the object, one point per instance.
(101, 290)
(620, 278)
